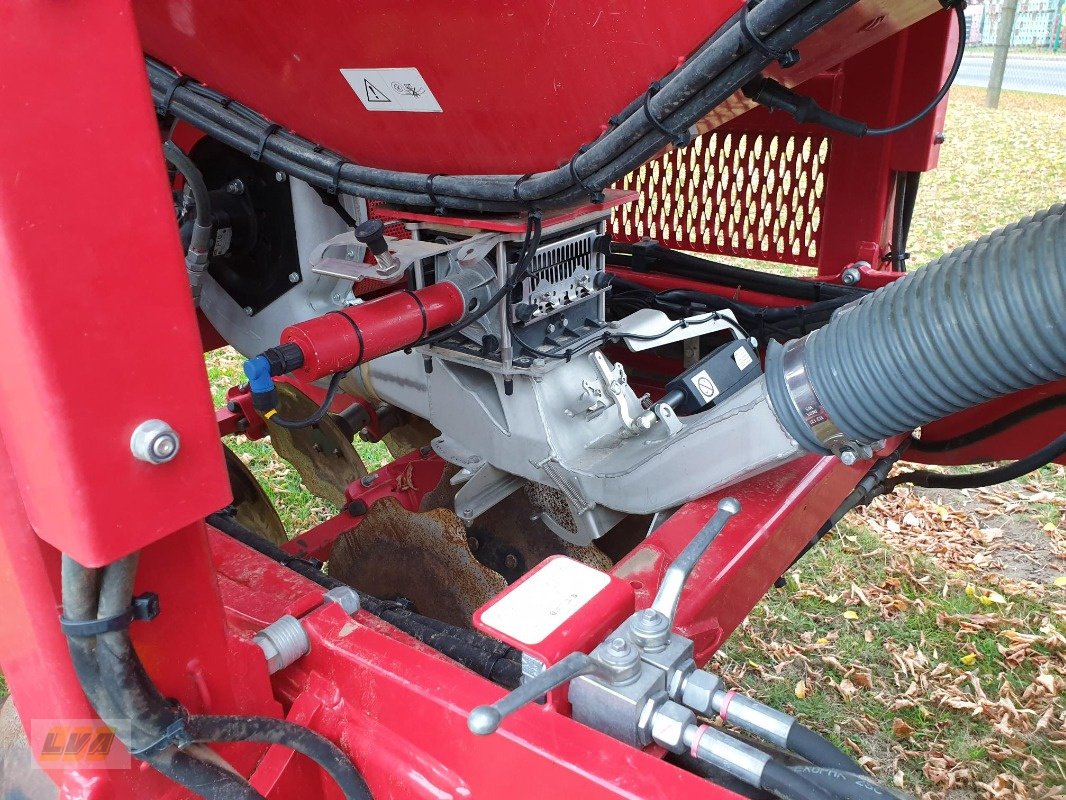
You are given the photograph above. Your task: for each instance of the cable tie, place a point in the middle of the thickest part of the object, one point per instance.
(176, 734)
(268, 131)
(438, 207)
(145, 607)
(335, 181)
(517, 183)
(168, 98)
(679, 139)
(596, 195)
(786, 58)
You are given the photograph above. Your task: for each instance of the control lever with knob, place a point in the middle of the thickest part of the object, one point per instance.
(669, 595)
(484, 720)
(372, 234)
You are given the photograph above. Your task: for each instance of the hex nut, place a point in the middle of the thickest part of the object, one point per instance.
(344, 596)
(698, 691)
(668, 726)
(155, 442)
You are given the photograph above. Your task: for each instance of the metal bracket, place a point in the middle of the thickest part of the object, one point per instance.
(342, 256)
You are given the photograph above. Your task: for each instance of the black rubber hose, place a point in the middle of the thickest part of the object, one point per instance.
(81, 589)
(713, 73)
(781, 781)
(981, 322)
(975, 480)
(818, 750)
(847, 785)
(478, 653)
(990, 429)
(265, 730)
(194, 179)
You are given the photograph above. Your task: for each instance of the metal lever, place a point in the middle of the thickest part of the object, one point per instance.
(484, 720)
(677, 573)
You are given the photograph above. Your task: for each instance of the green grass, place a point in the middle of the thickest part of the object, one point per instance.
(824, 648)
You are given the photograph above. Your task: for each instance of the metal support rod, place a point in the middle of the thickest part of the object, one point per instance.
(674, 581)
(999, 55)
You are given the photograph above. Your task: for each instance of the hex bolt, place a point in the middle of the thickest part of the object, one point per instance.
(155, 442)
(368, 480)
(280, 176)
(851, 276)
(249, 310)
(344, 596)
(294, 277)
(848, 456)
(618, 646)
(235, 186)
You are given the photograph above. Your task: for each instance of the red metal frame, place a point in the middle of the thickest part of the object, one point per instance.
(407, 480)
(88, 359)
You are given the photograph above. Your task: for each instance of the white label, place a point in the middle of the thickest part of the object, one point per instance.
(547, 599)
(705, 386)
(742, 358)
(400, 89)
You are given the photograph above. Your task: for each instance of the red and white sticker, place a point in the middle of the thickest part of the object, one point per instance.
(397, 89)
(539, 606)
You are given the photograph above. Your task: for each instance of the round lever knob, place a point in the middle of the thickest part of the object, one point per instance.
(372, 234)
(484, 720)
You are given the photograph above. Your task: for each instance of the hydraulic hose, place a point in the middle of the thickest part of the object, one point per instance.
(983, 321)
(818, 750)
(846, 785)
(196, 256)
(303, 740)
(478, 653)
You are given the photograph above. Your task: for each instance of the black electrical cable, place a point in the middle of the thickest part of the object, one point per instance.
(331, 394)
(774, 95)
(265, 730)
(525, 260)
(976, 480)
(958, 6)
(988, 430)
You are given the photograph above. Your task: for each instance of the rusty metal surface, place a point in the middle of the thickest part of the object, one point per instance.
(322, 454)
(421, 556)
(252, 508)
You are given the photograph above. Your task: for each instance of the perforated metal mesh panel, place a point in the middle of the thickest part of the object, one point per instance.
(750, 194)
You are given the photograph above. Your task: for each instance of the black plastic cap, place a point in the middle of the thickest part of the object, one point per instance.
(372, 234)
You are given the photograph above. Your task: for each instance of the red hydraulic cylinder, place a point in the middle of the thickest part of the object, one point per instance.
(339, 340)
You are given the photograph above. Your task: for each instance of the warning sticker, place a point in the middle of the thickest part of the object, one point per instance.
(548, 598)
(703, 384)
(742, 359)
(399, 89)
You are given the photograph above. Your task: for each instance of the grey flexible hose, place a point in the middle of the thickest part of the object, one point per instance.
(983, 321)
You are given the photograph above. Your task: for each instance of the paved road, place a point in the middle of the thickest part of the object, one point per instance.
(1044, 74)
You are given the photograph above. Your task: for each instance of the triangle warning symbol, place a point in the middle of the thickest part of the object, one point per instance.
(375, 95)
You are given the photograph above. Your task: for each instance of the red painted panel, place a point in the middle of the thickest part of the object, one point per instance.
(95, 314)
(522, 84)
